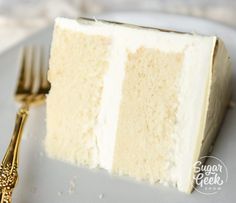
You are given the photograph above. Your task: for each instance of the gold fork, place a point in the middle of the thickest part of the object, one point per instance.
(28, 93)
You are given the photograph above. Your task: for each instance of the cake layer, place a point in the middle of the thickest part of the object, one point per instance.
(77, 67)
(135, 101)
(148, 115)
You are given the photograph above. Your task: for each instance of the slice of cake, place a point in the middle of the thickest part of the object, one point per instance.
(136, 101)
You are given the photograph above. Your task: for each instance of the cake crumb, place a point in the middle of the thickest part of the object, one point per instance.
(72, 185)
(59, 193)
(232, 104)
(95, 19)
(34, 190)
(101, 196)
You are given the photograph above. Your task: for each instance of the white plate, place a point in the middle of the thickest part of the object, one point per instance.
(45, 180)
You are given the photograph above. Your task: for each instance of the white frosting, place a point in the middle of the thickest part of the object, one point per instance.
(194, 79)
(108, 118)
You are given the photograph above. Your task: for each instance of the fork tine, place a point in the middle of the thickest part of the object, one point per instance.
(44, 85)
(42, 66)
(21, 81)
(31, 69)
(45, 68)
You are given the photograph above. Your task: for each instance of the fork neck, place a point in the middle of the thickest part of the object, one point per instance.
(11, 156)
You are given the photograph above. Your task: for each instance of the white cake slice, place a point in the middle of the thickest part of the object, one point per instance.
(135, 101)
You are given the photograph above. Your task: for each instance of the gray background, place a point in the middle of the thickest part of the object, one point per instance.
(220, 10)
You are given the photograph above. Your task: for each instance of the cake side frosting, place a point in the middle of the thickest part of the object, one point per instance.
(216, 104)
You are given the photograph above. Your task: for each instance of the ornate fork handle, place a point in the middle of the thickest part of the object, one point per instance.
(8, 169)
(5, 195)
